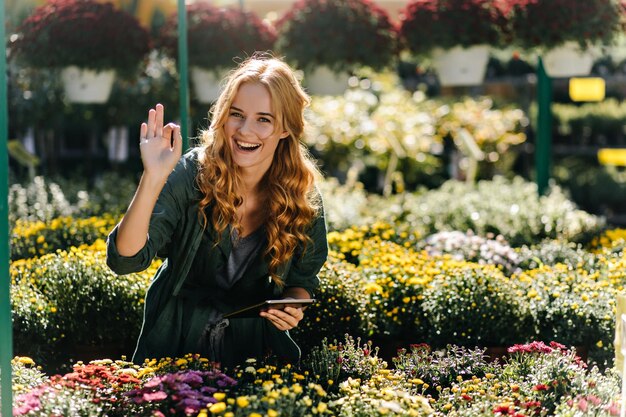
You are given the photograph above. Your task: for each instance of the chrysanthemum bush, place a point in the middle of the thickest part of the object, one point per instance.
(232, 32)
(554, 251)
(416, 297)
(44, 199)
(471, 304)
(36, 238)
(109, 38)
(507, 207)
(429, 24)
(468, 246)
(341, 308)
(571, 306)
(361, 32)
(511, 208)
(71, 298)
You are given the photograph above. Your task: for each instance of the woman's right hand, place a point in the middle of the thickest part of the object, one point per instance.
(160, 146)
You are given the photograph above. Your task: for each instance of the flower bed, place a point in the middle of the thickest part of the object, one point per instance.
(339, 379)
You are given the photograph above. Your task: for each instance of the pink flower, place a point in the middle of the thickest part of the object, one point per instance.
(154, 396)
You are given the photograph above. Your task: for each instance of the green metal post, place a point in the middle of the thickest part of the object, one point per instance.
(6, 332)
(184, 73)
(543, 142)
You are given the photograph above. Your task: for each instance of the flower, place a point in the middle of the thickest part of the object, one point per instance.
(551, 23)
(84, 33)
(361, 34)
(217, 35)
(428, 24)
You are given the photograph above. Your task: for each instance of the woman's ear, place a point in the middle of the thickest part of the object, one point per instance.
(284, 135)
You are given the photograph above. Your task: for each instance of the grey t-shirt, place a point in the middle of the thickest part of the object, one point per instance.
(243, 251)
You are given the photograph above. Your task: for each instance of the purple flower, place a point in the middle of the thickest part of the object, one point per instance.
(192, 378)
(190, 405)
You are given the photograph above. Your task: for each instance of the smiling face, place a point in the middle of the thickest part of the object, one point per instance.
(252, 131)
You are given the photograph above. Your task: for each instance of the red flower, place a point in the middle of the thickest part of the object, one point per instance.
(85, 33)
(216, 36)
(360, 32)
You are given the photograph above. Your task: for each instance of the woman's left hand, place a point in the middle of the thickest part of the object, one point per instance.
(285, 319)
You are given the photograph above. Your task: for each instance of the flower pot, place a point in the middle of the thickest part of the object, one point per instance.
(568, 61)
(323, 81)
(206, 84)
(87, 86)
(461, 66)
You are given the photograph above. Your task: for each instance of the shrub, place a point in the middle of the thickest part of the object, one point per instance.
(440, 369)
(216, 36)
(429, 24)
(570, 306)
(511, 208)
(36, 238)
(77, 301)
(338, 361)
(493, 250)
(551, 23)
(360, 32)
(473, 304)
(341, 308)
(109, 38)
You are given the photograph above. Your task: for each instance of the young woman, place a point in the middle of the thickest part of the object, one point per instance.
(238, 220)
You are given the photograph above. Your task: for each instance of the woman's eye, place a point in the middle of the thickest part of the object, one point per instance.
(264, 120)
(236, 114)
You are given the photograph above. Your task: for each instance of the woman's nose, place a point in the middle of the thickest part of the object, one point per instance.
(244, 126)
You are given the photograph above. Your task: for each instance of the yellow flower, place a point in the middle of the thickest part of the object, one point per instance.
(218, 408)
(242, 402)
(219, 396)
(272, 413)
(24, 360)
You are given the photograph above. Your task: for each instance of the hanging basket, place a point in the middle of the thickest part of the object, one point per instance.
(206, 84)
(461, 66)
(87, 86)
(568, 61)
(322, 81)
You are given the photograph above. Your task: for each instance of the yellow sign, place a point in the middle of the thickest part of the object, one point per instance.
(612, 156)
(587, 89)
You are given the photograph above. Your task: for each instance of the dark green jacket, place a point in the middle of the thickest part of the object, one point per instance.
(175, 233)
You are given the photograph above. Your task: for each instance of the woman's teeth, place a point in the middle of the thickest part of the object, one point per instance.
(245, 146)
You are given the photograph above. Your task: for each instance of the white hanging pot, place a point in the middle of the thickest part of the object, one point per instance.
(568, 60)
(206, 84)
(87, 86)
(461, 66)
(323, 81)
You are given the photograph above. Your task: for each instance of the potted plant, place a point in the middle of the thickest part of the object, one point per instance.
(456, 33)
(335, 37)
(85, 39)
(563, 30)
(216, 37)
